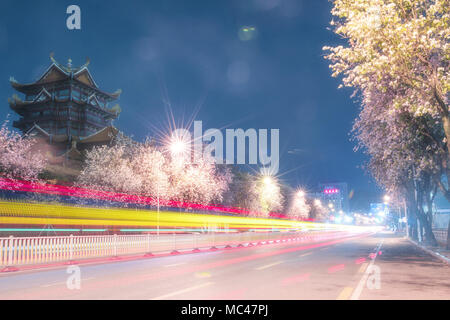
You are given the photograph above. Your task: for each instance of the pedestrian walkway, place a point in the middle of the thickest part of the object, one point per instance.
(439, 252)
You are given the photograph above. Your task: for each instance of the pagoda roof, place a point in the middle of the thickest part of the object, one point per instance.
(105, 134)
(57, 72)
(36, 130)
(15, 102)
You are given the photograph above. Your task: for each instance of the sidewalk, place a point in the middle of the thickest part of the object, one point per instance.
(438, 252)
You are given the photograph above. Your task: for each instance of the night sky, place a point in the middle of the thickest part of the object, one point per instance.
(189, 54)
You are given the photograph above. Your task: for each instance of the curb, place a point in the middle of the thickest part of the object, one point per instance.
(433, 253)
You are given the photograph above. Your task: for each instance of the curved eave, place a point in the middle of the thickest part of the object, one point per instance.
(19, 104)
(105, 134)
(36, 87)
(33, 88)
(16, 105)
(24, 88)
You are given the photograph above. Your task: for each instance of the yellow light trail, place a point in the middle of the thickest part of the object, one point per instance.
(57, 214)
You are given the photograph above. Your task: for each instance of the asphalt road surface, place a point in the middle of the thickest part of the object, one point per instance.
(380, 266)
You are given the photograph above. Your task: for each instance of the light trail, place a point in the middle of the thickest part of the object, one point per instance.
(77, 192)
(14, 213)
(14, 216)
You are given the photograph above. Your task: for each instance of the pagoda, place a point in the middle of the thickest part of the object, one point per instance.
(67, 111)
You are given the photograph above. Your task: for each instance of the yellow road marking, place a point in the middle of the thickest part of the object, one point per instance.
(363, 267)
(203, 275)
(345, 293)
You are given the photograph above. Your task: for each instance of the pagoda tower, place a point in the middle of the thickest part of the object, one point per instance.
(67, 111)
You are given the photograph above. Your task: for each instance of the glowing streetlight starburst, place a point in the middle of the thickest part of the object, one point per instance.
(300, 193)
(177, 147)
(268, 181)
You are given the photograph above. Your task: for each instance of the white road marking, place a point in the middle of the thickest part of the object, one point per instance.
(305, 254)
(182, 291)
(52, 284)
(268, 265)
(62, 283)
(175, 264)
(357, 293)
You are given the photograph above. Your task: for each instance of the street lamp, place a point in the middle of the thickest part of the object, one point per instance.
(268, 181)
(177, 146)
(268, 191)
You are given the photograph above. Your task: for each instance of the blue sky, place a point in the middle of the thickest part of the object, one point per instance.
(190, 53)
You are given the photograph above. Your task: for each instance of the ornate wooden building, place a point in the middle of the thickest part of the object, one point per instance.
(67, 110)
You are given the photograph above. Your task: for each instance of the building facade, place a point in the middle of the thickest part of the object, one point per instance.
(335, 195)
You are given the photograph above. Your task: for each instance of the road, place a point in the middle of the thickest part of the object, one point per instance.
(379, 266)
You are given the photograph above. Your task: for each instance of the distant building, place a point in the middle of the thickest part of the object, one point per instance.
(336, 195)
(67, 111)
(376, 208)
(441, 211)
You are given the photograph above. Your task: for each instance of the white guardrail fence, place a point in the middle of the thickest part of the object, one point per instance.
(16, 251)
(441, 236)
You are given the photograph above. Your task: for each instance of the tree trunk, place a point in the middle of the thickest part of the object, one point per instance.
(425, 225)
(428, 216)
(446, 125)
(413, 230)
(412, 224)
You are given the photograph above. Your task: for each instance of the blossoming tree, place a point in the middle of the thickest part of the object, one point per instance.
(397, 60)
(18, 157)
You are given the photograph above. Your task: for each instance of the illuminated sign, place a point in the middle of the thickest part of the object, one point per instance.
(330, 190)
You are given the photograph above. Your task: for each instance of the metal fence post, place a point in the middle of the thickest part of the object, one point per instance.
(11, 251)
(115, 245)
(71, 247)
(174, 242)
